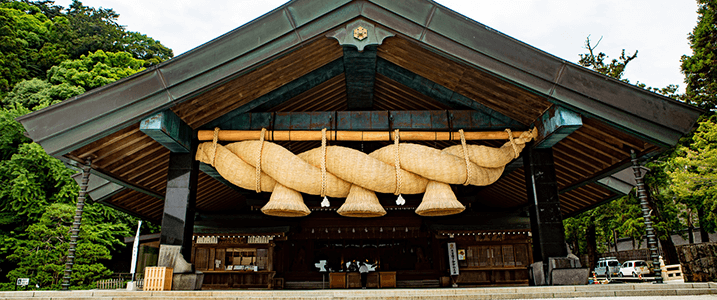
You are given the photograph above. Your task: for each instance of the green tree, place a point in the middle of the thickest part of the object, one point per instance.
(36, 208)
(700, 68)
(89, 29)
(40, 250)
(49, 54)
(693, 173)
(596, 228)
(34, 36)
(614, 69)
(36, 93)
(145, 48)
(23, 33)
(95, 69)
(73, 77)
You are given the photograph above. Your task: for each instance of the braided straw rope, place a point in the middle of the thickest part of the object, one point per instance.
(258, 161)
(397, 164)
(465, 156)
(323, 162)
(380, 171)
(214, 143)
(512, 142)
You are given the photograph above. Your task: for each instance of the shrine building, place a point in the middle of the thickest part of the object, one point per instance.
(396, 133)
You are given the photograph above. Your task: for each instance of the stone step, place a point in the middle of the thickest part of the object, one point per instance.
(610, 290)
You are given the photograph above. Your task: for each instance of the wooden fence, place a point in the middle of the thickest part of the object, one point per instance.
(111, 284)
(120, 281)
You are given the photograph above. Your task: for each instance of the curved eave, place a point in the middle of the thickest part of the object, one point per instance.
(76, 122)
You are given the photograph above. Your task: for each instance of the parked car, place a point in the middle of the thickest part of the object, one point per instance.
(607, 266)
(634, 268)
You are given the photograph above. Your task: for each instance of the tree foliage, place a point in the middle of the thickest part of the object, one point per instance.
(37, 196)
(35, 36)
(623, 217)
(73, 77)
(47, 55)
(614, 69)
(693, 173)
(700, 68)
(40, 251)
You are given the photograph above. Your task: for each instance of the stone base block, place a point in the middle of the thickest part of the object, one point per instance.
(187, 282)
(576, 276)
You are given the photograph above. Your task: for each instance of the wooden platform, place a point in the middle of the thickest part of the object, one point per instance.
(671, 291)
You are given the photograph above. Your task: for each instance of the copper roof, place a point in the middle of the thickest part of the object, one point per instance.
(439, 48)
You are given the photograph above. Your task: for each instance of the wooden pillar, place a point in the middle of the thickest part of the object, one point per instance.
(180, 201)
(546, 220)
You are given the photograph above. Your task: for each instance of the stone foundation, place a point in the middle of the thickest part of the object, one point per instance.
(699, 262)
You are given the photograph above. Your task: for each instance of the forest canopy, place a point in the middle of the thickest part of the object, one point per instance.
(48, 54)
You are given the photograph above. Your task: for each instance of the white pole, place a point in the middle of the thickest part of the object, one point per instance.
(135, 249)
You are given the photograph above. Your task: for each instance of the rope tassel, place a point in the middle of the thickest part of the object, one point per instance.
(400, 200)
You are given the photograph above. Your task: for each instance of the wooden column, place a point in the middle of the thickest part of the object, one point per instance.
(545, 219)
(180, 201)
(360, 70)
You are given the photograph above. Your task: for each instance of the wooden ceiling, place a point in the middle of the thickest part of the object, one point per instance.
(580, 159)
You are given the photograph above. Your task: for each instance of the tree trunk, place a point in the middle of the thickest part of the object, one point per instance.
(669, 252)
(704, 235)
(590, 237)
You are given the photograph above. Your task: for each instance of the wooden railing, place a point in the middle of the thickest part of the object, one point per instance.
(110, 284)
(119, 281)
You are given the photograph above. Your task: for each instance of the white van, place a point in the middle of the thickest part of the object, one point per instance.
(607, 266)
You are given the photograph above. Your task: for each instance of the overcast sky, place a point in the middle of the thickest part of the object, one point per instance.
(657, 28)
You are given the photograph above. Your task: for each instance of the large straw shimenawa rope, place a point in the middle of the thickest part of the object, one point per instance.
(341, 172)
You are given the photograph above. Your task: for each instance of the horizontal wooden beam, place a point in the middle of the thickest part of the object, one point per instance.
(169, 130)
(554, 125)
(369, 120)
(353, 136)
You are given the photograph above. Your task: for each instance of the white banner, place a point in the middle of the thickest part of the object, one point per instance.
(453, 258)
(135, 248)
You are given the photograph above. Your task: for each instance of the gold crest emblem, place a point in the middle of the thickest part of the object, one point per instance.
(360, 33)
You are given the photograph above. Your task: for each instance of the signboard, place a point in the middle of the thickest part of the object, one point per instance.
(461, 254)
(453, 258)
(259, 239)
(207, 240)
(23, 281)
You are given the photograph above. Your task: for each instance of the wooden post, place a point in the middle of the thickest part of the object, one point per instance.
(180, 201)
(546, 221)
